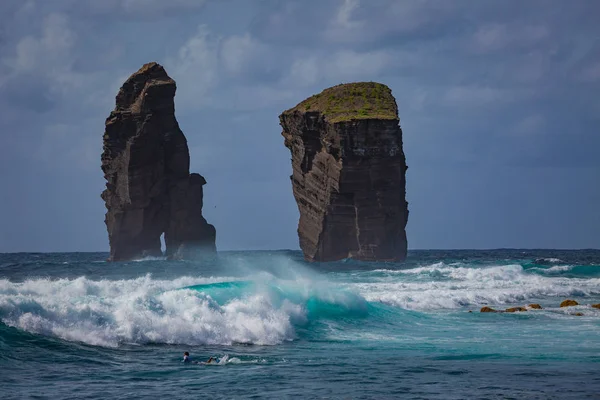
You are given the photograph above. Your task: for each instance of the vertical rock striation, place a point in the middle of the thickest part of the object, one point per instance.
(348, 173)
(149, 189)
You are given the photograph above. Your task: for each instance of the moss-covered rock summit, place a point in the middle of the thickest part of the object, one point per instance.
(348, 101)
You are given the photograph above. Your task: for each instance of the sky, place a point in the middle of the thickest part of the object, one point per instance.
(499, 103)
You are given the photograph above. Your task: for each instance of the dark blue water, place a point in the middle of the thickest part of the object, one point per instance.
(73, 326)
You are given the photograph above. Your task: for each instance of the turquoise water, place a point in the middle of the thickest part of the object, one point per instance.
(73, 326)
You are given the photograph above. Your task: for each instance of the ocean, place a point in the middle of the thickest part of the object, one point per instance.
(73, 326)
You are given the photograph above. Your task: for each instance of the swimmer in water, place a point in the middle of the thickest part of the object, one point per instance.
(187, 359)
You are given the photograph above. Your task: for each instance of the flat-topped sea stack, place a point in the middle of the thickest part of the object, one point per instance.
(149, 189)
(349, 173)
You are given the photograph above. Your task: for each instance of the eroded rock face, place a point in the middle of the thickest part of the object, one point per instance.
(348, 173)
(149, 190)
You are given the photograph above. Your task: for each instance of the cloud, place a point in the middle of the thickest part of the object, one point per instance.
(475, 96)
(591, 72)
(285, 23)
(530, 125)
(305, 71)
(159, 6)
(118, 9)
(342, 66)
(245, 57)
(495, 37)
(196, 64)
(72, 141)
(379, 23)
(343, 17)
(227, 71)
(49, 54)
(348, 64)
(343, 25)
(236, 50)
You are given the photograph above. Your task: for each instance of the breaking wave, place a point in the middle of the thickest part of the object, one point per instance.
(186, 310)
(283, 303)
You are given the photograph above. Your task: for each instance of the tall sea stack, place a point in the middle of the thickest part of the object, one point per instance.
(149, 189)
(349, 173)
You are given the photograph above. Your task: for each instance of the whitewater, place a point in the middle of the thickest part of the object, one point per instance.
(75, 326)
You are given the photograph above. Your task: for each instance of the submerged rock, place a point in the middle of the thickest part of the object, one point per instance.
(149, 189)
(596, 305)
(487, 309)
(569, 303)
(516, 309)
(578, 314)
(348, 173)
(535, 306)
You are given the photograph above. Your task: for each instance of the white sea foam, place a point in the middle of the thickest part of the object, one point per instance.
(442, 286)
(143, 310)
(559, 268)
(549, 260)
(150, 258)
(555, 270)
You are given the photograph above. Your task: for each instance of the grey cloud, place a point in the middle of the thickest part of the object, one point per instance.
(292, 23)
(114, 9)
(482, 87)
(30, 93)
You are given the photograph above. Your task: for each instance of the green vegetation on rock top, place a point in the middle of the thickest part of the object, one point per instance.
(360, 100)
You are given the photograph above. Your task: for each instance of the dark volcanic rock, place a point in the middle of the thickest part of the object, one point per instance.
(149, 189)
(348, 173)
(515, 309)
(569, 303)
(188, 233)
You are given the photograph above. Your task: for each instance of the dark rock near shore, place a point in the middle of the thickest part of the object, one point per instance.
(348, 173)
(569, 303)
(149, 189)
(515, 309)
(487, 309)
(535, 306)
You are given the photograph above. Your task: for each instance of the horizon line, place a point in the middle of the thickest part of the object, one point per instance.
(298, 250)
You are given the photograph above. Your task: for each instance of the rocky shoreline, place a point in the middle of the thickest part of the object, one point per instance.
(535, 306)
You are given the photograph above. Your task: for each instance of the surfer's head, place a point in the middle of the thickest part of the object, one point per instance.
(186, 354)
